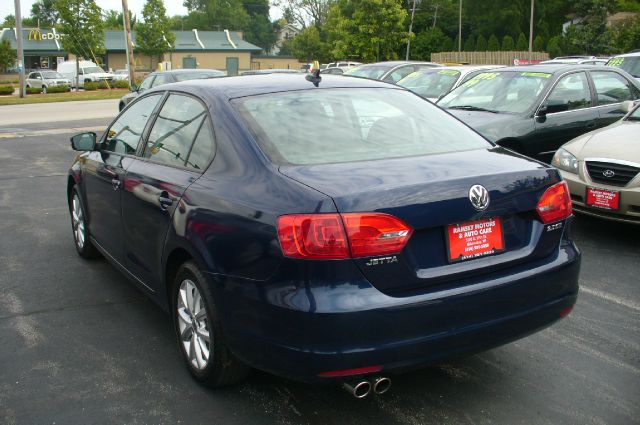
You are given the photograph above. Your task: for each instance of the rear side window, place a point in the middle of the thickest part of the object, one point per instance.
(125, 133)
(346, 125)
(611, 87)
(572, 91)
(178, 124)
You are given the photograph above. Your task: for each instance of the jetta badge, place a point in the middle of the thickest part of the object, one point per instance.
(608, 173)
(479, 197)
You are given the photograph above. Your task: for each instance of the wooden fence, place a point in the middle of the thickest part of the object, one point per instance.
(487, 58)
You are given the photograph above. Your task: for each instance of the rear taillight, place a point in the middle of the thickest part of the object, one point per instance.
(339, 236)
(555, 203)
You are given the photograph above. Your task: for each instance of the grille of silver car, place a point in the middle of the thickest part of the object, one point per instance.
(601, 172)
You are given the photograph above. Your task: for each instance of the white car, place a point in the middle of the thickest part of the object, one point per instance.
(121, 75)
(343, 64)
(629, 62)
(88, 72)
(45, 79)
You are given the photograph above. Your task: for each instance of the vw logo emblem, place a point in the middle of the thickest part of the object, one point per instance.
(479, 197)
(608, 173)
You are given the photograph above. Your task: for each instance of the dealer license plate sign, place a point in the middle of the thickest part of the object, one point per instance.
(603, 198)
(474, 239)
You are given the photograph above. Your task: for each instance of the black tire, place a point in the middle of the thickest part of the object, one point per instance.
(222, 368)
(86, 249)
(44, 89)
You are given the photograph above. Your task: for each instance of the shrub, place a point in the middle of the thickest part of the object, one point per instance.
(122, 84)
(6, 89)
(90, 86)
(493, 45)
(481, 44)
(34, 90)
(522, 44)
(103, 85)
(508, 44)
(58, 89)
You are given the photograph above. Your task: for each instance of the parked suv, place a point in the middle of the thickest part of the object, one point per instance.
(46, 79)
(88, 72)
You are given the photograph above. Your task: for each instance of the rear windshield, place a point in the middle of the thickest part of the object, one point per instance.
(630, 64)
(346, 125)
(184, 76)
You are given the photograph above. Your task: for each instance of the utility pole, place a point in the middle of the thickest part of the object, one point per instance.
(413, 12)
(531, 32)
(126, 45)
(460, 28)
(127, 34)
(18, 16)
(435, 16)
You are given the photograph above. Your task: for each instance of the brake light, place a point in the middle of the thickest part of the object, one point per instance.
(339, 236)
(555, 203)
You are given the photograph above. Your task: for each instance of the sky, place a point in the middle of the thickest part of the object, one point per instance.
(174, 7)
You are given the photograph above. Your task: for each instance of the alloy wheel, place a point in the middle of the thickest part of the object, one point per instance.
(77, 218)
(193, 325)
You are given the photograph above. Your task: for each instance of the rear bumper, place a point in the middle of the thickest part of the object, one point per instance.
(301, 329)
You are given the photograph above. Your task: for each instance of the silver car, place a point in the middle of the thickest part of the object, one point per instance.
(46, 79)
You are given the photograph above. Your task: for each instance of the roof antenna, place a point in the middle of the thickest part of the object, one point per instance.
(314, 75)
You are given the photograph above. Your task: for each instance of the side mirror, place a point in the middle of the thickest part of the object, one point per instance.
(552, 107)
(133, 87)
(84, 141)
(627, 106)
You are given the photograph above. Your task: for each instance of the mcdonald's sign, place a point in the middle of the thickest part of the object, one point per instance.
(37, 35)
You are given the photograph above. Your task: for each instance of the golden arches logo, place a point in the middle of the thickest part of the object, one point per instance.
(35, 34)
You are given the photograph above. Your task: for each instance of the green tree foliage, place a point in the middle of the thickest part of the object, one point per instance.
(626, 36)
(508, 44)
(153, 36)
(522, 43)
(113, 20)
(286, 49)
(469, 44)
(9, 21)
(456, 44)
(493, 45)
(554, 46)
(7, 55)
(369, 29)
(447, 45)
(81, 21)
(216, 15)
(260, 30)
(427, 42)
(45, 12)
(303, 13)
(481, 44)
(307, 45)
(538, 44)
(590, 35)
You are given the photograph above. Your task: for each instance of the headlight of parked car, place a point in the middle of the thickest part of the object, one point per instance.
(565, 161)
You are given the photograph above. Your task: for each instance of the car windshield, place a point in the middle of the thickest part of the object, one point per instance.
(374, 72)
(92, 69)
(629, 64)
(510, 92)
(184, 76)
(430, 83)
(346, 125)
(52, 74)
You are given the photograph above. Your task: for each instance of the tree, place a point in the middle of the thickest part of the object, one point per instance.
(626, 36)
(522, 44)
(9, 21)
(469, 44)
(216, 15)
(538, 44)
(369, 29)
(45, 13)
(508, 44)
(493, 45)
(81, 21)
(113, 20)
(307, 45)
(260, 30)
(427, 42)
(481, 44)
(7, 55)
(590, 35)
(303, 13)
(447, 45)
(554, 46)
(153, 36)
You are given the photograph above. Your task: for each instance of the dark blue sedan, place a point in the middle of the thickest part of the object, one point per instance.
(332, 229)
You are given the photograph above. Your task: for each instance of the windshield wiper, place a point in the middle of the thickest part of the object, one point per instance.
(473, 108)
(632, 118)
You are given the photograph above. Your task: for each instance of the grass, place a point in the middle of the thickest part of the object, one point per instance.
(63, 97)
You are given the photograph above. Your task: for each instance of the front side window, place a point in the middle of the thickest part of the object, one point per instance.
(124, 134)
(33, 75)
(175, 130)
(146, 83)
(509, 92)
(572, 92)
(346, 125)
(399, 74)
(610, 87)
(161, 79)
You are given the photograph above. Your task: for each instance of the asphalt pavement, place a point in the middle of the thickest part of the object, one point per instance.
(80, 345)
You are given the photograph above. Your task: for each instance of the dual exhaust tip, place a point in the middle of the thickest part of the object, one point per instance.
(362, 389)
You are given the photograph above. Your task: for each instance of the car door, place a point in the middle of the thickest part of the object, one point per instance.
(178, 148)
(103, 172)
(569, 113)
(611, 90)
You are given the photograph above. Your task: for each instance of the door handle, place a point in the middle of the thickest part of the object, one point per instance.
(116, 184)
(165, 201)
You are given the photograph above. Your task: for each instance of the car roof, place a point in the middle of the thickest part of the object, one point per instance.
(398, 63)
(628, 55)
(251, 85)
(184, 71)
(554, 68)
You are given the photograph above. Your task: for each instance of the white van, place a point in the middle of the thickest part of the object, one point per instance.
(89, 71)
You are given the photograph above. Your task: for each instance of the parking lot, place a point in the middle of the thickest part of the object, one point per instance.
(79, 344)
